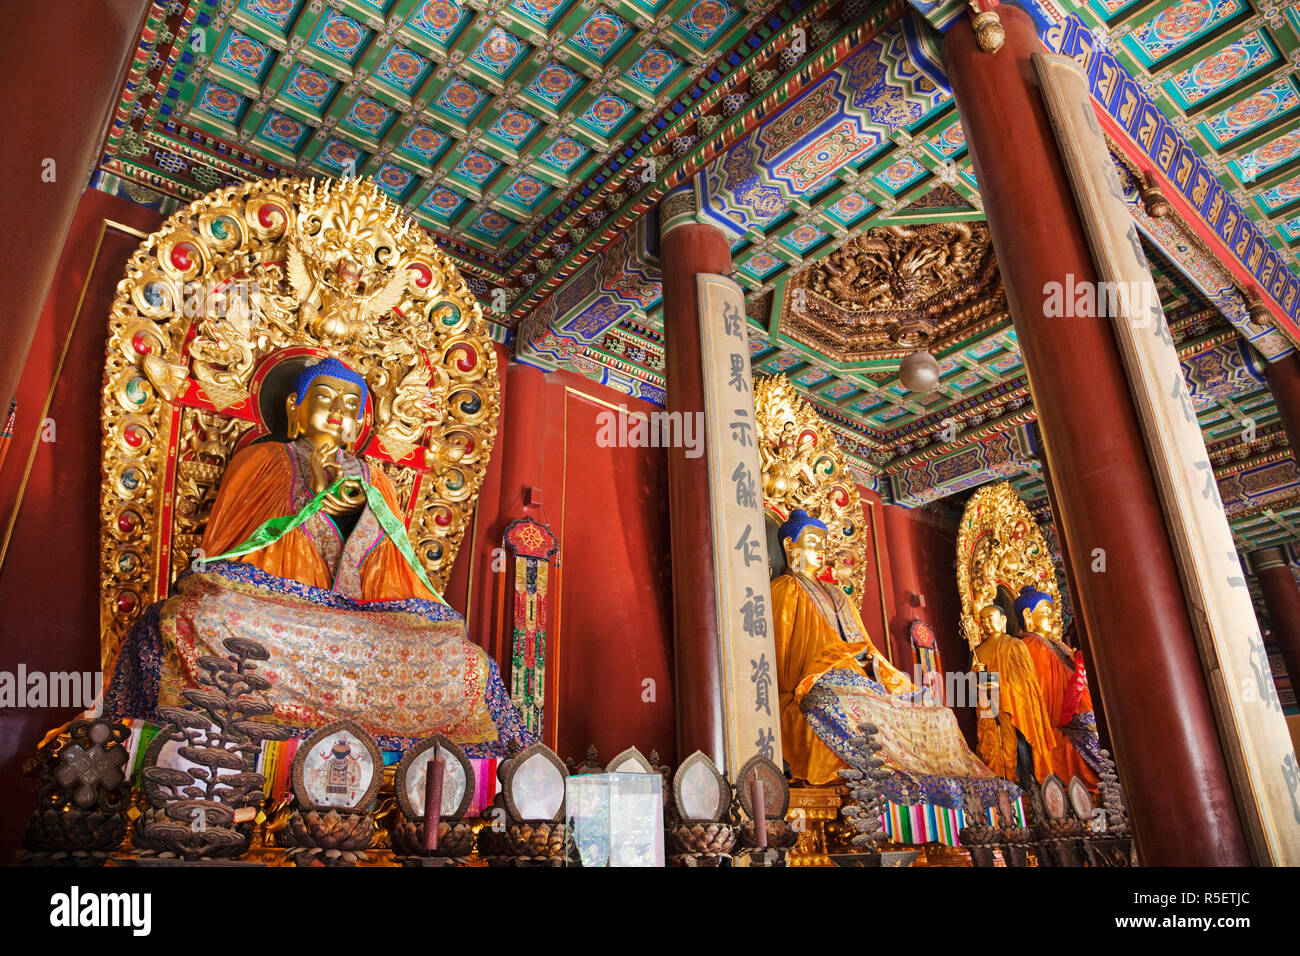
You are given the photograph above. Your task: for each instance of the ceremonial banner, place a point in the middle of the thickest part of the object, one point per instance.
(746, 654)
(1251, 725)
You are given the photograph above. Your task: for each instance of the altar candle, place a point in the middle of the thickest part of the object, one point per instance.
(759, 801)
(433, 800)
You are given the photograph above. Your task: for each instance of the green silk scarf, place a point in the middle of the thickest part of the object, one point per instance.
(273, 530)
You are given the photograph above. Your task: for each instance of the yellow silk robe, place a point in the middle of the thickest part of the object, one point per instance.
(808, 645)
(258, 486)
(1020, 706)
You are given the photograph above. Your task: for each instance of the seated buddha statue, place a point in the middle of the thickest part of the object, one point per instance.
(305, 552)
(1017, 737)
(831, 678)
(1064, 683)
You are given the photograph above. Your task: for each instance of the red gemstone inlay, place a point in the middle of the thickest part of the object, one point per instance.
(140, 342)
(126, 521)
(467, 360)
(425, 276)
(126, 602)
(268, 215)
(442, 519)
(181, 257)
(133, 437)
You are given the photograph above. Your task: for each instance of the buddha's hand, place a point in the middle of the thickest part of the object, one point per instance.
(325, 468)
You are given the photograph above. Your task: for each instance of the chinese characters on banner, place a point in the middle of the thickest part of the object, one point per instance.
(1251, 722)
(751, 721)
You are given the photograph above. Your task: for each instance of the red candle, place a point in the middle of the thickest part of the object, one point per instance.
(433, 800)
(759, 800)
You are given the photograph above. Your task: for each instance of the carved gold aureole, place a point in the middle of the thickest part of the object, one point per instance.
(1000, 549)
(893, 289)
(803, 467)
(219, 307)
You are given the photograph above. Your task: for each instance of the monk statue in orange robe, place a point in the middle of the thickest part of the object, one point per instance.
(1064, 683)
(305, 552)
(831, 678)
(1017, 736)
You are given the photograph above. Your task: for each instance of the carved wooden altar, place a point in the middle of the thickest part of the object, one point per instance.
(218, 310)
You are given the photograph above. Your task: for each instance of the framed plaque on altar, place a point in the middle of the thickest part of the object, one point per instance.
(339, 767)
(412, 777)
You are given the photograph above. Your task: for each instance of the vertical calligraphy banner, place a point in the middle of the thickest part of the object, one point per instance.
(746, 654)
(1251, 725)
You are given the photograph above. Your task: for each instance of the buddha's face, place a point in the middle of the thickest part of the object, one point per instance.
(1039, 620)
(807, 553)
(330, 411)
(992, 621)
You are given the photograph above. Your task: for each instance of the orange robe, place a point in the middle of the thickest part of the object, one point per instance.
(1057, 681)
(808, 645)
(1020, 706)
(258, 486)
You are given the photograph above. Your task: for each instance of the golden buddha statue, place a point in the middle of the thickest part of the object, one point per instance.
(1064, 684)
(1016, 735)
(304, 551)
(831, 678)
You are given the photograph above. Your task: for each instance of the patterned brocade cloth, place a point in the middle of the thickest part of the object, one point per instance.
(401, 669)
(922, 745)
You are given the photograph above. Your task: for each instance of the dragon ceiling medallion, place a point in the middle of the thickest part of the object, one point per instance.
(804, 467)
(893, 289)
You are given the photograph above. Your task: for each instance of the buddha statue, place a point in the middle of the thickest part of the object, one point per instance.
(831, 678)
(1017, 737)
(1064, 683)
(305, 552)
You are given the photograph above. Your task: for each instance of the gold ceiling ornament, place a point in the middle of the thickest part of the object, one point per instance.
(217, 309)
(892, 289)
(1000, 549)
(804, 467)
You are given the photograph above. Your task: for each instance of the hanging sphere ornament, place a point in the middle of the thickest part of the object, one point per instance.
(919, 372)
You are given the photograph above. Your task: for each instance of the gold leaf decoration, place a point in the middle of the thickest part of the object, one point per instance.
(264, 272)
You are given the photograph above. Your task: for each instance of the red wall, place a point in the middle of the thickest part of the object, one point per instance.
(49, 579)
(923, 564)
(611, 584)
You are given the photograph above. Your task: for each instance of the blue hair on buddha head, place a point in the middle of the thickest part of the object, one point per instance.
(332, 368)
(795, 524)
(1029, 599)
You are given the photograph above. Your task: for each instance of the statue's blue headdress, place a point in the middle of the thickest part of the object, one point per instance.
(794, 525)
(1029, 599)
(333, 368)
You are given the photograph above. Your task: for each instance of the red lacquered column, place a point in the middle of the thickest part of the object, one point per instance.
(1283, 377)
(687, 249)
(1147, 665)
(1282, 597)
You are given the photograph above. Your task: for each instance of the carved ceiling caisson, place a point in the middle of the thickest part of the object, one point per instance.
(894, 289)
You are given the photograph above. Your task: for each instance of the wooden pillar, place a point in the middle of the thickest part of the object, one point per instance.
(687, 248)
(1283, 377)
(1148, 666)
(1282, 597)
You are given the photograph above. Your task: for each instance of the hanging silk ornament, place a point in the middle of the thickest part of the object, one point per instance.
(533, 545)
(927, 648)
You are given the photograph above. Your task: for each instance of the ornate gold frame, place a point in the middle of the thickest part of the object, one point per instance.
(803, 467)
(224, 291)
(1000, 546)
